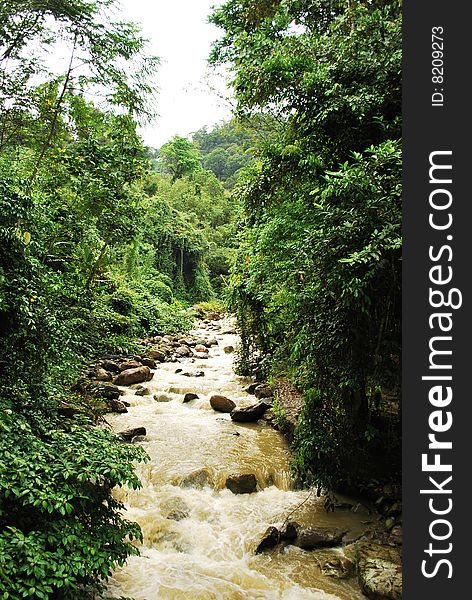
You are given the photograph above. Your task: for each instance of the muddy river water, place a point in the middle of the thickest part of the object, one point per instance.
(199, 537)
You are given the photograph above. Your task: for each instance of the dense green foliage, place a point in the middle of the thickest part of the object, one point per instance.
(226, 150)
(188, 183)
(316, 285)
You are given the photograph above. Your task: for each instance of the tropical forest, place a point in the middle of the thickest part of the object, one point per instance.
(200, 338)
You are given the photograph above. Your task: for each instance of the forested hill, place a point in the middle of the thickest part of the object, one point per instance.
(290, 213)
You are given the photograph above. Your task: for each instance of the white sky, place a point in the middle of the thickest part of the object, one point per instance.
(180, 35)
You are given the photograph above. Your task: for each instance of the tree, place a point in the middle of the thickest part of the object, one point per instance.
(180, 157)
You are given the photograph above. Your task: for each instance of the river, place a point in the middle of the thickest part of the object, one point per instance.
(199, 537)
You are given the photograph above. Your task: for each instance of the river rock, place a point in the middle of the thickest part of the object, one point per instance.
(338, 567)
(157, 354)
(245, 483)
(133, 376)
(110, 365)
(129, 364)
(103, 375)
(149, 362)
(269, 540)
(182, 351)
(249, 414)
(310, 538)
(211, 342)
(175, 509)
(228, 349)
(201, 348)
(221, 403)
(138, 438)
(107, 391)
(289, 531)
(144, 391)
(249, 389)
(193, 373)
(189, 396)
(379, 570)
(117, 406)
(196, 479)
(263, 391)
(129, 434)
(162, 397)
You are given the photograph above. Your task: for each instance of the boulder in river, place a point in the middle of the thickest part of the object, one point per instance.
(101, 374)
(149, 362)
(143, 391)
(221, 403)
(201, 348)
(379, 570)
(129, 434)
(263, 391)
(310, 538)
(157, 354)
(162, 397)
(189, 396)
(193, 373)
(107, 391)
(269, 540)
(196, 479)
(228, 349)
(245, 483)
(175, 509)
(117, 406)
(182, 351)
(130, 376)
(249, 389)
(289, 531)
(338, 567)
(249, 414)
(129, 364)
(110, 365)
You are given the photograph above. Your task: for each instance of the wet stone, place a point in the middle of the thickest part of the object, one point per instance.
(189, 396)
(118, 407)
(242, 484)
(130, 376)
(289, 531)
(110, 365)
(310, 538)
(196, 479)
(149, 362)
(162, 397)
(263, 391)
(269, 540)
(249, 414)
(221, 403)
(175, 509)
(130, 364)
(143, 392)
(129, 434)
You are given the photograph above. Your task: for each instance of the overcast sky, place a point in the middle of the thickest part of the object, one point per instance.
(181, 36)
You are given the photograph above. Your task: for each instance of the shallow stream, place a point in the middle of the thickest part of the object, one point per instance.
(199, 537)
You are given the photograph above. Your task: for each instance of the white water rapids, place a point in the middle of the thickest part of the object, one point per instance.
(199, 537)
